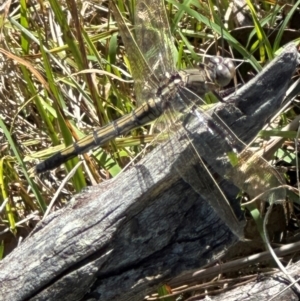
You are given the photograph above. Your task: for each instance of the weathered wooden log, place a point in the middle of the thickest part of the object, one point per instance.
(263, 288)
(265, 285)
(118, 240)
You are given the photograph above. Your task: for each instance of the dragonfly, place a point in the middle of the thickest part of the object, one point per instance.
(160, 88)
(156, 83)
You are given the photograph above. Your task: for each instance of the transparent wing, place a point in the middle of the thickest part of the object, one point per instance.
(257, 177)
(200, 174)
(154, 37)
(145, 81)
(250, 172)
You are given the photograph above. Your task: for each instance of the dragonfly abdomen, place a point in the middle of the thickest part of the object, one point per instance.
(146, 113)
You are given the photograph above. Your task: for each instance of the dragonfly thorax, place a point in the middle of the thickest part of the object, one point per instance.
(195, 80)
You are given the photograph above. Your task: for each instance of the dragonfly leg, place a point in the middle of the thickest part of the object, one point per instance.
(188, 117)
(218, 96)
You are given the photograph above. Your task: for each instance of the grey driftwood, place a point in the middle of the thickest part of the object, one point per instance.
(263, 288)
(119, 240)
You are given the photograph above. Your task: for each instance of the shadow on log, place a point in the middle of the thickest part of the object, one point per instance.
(119, 240)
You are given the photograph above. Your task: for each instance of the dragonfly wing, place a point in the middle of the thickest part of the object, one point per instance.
(257, 177)
(206, 183)
(154, 37)
(145, 81)
(251, 173)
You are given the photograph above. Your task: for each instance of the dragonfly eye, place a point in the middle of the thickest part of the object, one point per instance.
(224, 70)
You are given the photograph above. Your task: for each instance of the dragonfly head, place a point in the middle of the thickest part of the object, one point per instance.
(222, 70)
